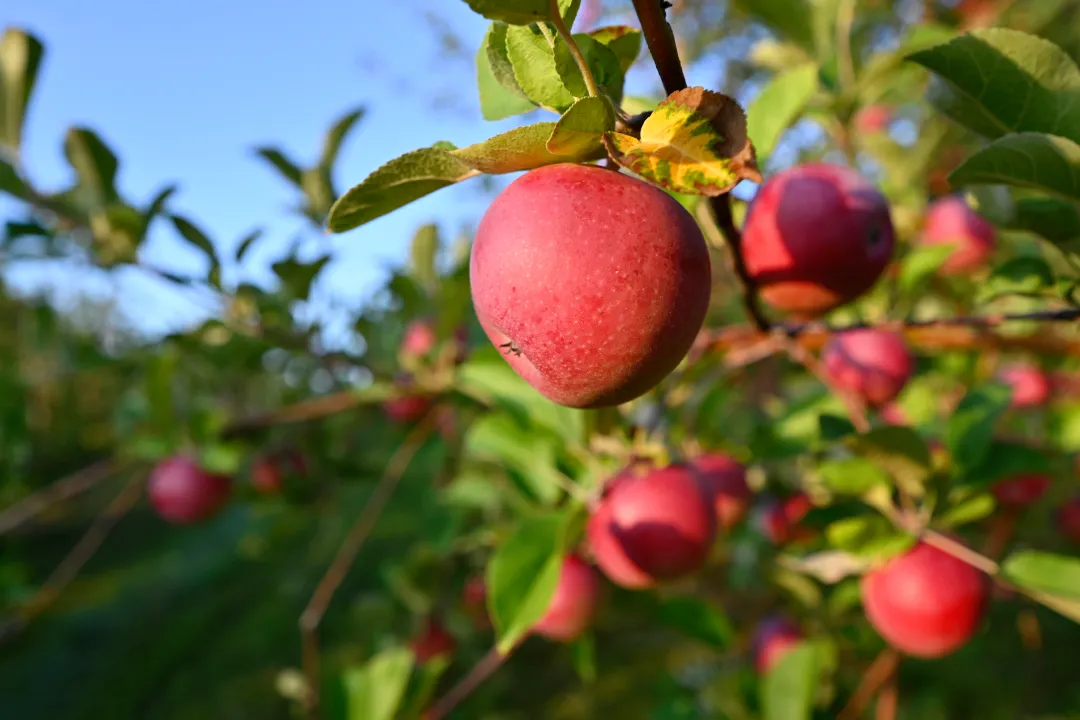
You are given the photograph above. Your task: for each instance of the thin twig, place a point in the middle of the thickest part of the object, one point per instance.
(876, 675)
(665, 55)
(350, 548)
(78, 556)
(302, 411)
(960, 552)
(491, 662)
(63, 489)
(889, 697)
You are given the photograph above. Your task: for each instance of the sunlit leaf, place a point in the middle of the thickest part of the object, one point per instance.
(779, 105)
(20, 59)
(1031, 160)
(580, 131)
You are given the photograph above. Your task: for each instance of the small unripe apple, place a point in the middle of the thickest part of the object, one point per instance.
(182, 492)
(816, 236)
(925, 602)
(723, 479)
(1030, 385)
(870, 363)
(773, 638)
(872, 119)
(651, 527)
(592, 283)
(574, 604)
(1021, 490)
(432, 642)
(951, 221)
(1068, 519)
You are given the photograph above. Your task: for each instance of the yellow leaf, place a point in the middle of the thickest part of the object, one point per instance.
(694, 142)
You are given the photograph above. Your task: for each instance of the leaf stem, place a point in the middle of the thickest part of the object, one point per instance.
(575, 51)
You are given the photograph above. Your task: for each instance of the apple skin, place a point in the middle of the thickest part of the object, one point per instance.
(419, 339)
(1021, 490)
(816, 236)
(773, 638)
(268, 472)
(951, 221)
(873, 364)
(407, 409)
(723, 479)
(925, 602)
(1068, 519)
(652, 527)
(779, 520)
(432, 642)
(1031, 387)
(599, 281)
(184, 493)
(574, 604)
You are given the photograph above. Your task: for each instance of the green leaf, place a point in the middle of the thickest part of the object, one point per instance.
(970, 430)
(623, 40)
(1044, 572)
(246, 243)
(500, 439)
(601, 61)
(376, 689)
(583, 653)
(1022, 275)
(297, 277)
(522, 576)
(694, 142)
(1031, 160)
(396, 184)
(336, 136)
(95, 164)
(1005, 459)
(900, 452)
(580, 131)
(852, 476)
(190, 232)
(789, 688)
(834, 427)
(425, 246)
(791, 19)
(500, 96)
(288, 169)
(522, 148)
(698, 619)
(533, 60)
(920, 264)
(1055, 220)
(1009, 82)
(11, 183)
(968, 510)
(523, 12)
(868, 536)
(20, 59)
(779, 105)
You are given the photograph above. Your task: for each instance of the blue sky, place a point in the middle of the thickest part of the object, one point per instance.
(183, 92)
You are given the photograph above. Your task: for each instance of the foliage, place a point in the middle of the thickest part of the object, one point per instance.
(184, 622)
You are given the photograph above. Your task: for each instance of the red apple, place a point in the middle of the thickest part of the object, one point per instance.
(872, 364)
(925, 602)
(653, 526)
(817, 236)
(1068, 519)
(780, 520)
(951, 221)
(419, 338)
(593, 283)
(268, 472)
(432, 642)
(893, 414)
(723, 479)
(773, 638)
(1022, 490)
(407, 409)
(574, 603)
(872, 119)
(1030, 385)
(182, 492)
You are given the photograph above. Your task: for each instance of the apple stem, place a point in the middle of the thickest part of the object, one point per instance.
(665, 54)
(575, 51)
(350, 548)
(74, 561)
(487, 665)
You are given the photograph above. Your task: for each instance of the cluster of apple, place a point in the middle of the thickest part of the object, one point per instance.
(595, 284)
